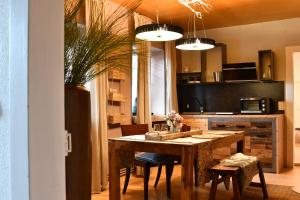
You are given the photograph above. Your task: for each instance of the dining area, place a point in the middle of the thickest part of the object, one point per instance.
(192, 149)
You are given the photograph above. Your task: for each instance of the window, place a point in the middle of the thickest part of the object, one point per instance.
(134, 82)
(157, 81)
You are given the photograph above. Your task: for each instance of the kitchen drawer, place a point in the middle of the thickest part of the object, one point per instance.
(229, 125)
(261, 128)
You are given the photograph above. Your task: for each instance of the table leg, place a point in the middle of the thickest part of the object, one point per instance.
(241, 146)
(187, 161)
(114, 172)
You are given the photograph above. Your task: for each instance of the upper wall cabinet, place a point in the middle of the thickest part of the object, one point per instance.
(190, 61)
(212, 61)
(205, 62)
(266, 65)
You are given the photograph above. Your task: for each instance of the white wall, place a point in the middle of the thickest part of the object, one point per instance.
(5, 189)
(46, 100)
(243, 42)
(19, 99)
(31, 100)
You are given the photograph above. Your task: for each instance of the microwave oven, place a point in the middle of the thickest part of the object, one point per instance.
(255, 105)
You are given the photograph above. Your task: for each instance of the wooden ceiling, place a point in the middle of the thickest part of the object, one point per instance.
(224, 12)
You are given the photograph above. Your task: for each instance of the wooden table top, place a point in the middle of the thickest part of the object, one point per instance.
(218, 135)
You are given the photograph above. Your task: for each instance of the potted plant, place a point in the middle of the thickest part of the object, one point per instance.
(90, 49)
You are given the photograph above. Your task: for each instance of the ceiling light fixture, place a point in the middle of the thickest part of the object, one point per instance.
(195, 43)
(157, 32)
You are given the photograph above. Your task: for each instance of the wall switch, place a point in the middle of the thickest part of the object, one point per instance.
(281, 105)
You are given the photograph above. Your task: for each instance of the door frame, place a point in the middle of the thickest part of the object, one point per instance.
(289, 104)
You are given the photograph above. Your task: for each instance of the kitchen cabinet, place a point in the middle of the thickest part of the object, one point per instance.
(266, 65)
(206, 62)
(263, 135)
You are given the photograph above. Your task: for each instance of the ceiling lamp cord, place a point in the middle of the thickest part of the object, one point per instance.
(195, 43)
(157, 12)
(189, 21)
(204, 31)
(194, 25)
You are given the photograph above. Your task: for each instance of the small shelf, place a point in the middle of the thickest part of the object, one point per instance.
(116, 119)
(266, 64)
(116, 100)
(115, 96)
(116, 75)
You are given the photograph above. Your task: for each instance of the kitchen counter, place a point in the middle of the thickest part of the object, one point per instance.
(264, 134)
(211, 114)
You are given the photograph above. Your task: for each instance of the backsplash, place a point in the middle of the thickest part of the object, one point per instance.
(225, 97)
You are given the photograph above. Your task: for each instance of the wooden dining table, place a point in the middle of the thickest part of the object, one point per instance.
(187, 148)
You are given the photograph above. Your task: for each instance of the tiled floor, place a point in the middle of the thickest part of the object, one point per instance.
(289, 177)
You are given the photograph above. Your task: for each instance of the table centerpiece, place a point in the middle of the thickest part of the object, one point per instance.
(174, 121)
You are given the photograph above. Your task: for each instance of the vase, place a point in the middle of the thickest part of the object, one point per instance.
(79, 161)
(173, 129)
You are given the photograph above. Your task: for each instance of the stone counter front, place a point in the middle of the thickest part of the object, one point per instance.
(264, 134)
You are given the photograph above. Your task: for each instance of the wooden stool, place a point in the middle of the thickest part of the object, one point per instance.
(233, 172)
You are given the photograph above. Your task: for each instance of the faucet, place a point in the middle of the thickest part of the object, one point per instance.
(201, 106)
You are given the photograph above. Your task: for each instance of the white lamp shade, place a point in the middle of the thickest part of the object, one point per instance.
(195, 44)
(158, 32)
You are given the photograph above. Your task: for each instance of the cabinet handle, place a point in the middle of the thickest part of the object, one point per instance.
(261, 126)
(261, 136)
(69, 138)
(221, 125)
(240, 126)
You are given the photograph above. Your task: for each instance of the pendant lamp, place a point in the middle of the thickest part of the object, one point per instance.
(195, 43)
(158, 32)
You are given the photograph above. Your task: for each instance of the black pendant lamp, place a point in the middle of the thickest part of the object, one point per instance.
(158, 32)
(196, 43)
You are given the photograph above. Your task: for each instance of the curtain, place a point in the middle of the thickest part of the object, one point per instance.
(99, 133)
(171, 90)
(99, 120)
(144, 94)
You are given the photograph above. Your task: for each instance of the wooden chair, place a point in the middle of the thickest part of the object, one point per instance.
(147, 160)
(234, 172)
